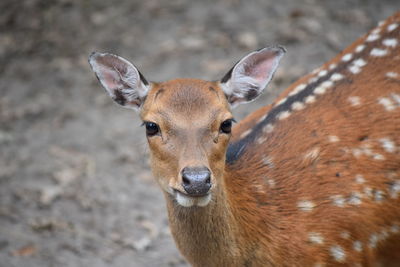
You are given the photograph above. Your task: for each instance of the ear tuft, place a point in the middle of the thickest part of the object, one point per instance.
(248, 78)
(122, 81)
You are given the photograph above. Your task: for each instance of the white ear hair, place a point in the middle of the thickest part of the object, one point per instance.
(248, 78)
(122, 81)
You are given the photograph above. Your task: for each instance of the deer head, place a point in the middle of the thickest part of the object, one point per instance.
(188, 122)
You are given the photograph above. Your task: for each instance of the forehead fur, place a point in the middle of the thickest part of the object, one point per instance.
(186, 96)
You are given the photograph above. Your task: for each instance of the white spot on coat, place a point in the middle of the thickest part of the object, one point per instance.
(261, 140)
(366, 149)
(271, 183)
(315, 238)
(298, 105)
(379, 196)
(388, 145)
(368, 191)
(337, 253)
(345, 235)
(310, 99)
(320, 90)
(327, 84)
(376, 31)
(377, 52)
(259, 188)
(356, 152)
(392, 75)
(268, 161)
(386, 103)
(268, 128)
(372, 37)
(391, 42)
(355, 198)
(298, 89)
(392, 27)
(357, 245)
(338, 200)
(313, 80)
(333, 138)
(332, 66)
(360, 62)
(354, 100)
(306, 205)
(373, 240)
(322, 73)
(360, 48)
(360, 179)
(354, 69)
(283, 115)
(378, 156)
(347, 57)
(313, 154)
(336, 77)
(357, 65)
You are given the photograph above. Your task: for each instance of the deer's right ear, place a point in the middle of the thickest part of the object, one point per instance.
(122, 81)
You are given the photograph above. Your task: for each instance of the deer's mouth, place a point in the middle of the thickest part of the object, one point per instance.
(186, 200)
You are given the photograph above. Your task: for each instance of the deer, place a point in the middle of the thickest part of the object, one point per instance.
(312, 179)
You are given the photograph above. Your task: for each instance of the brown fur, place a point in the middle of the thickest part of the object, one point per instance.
(250, 222)
(189, 129)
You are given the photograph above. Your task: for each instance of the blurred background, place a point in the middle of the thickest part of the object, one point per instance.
(75, 186)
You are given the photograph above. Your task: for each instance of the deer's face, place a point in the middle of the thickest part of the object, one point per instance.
(187, 121)
(188, 126)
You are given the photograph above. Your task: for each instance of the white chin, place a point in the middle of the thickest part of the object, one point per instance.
(187, 201)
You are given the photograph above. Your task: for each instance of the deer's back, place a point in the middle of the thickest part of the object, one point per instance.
(321, 166)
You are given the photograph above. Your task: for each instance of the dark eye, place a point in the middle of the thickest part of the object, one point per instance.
(226, 126)
(151, 128)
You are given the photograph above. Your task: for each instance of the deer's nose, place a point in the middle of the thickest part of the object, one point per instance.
(196, 180)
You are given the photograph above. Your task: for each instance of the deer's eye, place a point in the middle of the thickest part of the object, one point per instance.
(226, 126)
(151, 128)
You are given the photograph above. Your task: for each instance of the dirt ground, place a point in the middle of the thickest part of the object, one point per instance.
(75, 186)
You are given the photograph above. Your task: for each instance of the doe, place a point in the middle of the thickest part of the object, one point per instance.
(311, 180)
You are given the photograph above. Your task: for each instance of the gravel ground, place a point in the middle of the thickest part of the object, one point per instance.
(75, 185)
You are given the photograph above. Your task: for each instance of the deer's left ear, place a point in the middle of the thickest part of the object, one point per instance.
(248, 78)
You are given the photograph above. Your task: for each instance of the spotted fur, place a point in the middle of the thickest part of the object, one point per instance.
(355, 123)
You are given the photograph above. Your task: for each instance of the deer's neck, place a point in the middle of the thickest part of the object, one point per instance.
(228, 230)
(206, 236)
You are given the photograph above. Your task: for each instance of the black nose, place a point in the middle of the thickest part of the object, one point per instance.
(196, 180)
